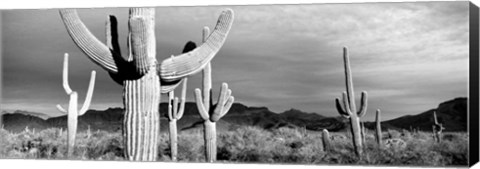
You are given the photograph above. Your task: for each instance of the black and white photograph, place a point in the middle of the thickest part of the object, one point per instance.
(349, 84)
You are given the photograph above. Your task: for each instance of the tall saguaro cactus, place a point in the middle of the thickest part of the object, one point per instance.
(437, 128)
(209, 112)
(175, 113)
(73, 111)
(378, 128)
(348, 109)
(142, 78)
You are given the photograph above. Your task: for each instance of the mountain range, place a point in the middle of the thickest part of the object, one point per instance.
(452, 113)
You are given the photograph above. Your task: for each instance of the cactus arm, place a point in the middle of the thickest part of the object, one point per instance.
(201, 108)
(207, 74)
(108, 31)
(228, 105)
(221, 107)
(220, 113)
(207, 86)
(170, 105)
(87, 42)
(111, 40)
(129, 44)
(66, 85)
(194, 61)
(61, 109)
(169, 86)
(124, 66)
(227, 95)
(182, 99)
(221, 99)
(205, 34)
(88, 97)
(340, 110)
(363, 105)
(111, 34)
(175, 108)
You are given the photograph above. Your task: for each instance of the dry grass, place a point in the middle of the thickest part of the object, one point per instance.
(250, 145)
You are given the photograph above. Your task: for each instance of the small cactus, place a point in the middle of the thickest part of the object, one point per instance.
(73, 111)
(209, 112)
(378, 128)
(437, 128)
(326, 140)
(348, 109)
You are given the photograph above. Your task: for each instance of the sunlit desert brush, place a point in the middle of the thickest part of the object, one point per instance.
(248, 144)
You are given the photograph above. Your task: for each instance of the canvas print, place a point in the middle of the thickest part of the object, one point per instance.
(347, 84)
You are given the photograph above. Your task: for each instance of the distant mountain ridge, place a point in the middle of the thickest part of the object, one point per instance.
(453, 114)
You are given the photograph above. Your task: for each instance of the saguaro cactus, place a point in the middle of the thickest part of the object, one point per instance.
(326, 140)
(209, 112)
(437, 128)
(143, 79)
(175, 110)
(348, 109)
(72, 111)
(378, 128)
(175, 113)
(363, 132)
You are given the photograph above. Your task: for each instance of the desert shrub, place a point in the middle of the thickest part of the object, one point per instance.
(190, 147)
(451, 137)
(27, 144)
(307, 150)
(287, 133)
(6, 143)
(246, 144)
(393, 134)
(99, 145)
(453, 152)
(406, 135)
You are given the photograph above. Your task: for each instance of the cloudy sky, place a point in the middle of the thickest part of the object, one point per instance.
(409, 57)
